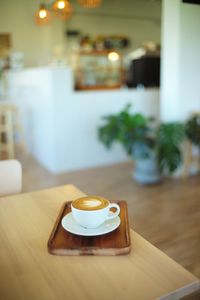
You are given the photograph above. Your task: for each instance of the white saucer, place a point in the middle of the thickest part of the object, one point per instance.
(71, 226)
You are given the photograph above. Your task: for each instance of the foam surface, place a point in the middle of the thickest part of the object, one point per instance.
(90, 203)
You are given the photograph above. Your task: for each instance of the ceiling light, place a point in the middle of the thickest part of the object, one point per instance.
(90, 3)
(42, 16)
(63, 9)
(42, 13)
(61, 4)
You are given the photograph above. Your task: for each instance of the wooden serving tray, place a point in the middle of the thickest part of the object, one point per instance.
(117, 242)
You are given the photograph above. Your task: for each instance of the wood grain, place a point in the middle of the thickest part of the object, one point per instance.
(28, 271)
(117, 242)
(174, 204)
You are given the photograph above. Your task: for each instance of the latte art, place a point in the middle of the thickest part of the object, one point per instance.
(90, 203)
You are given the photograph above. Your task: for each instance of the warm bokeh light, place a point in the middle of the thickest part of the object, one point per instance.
(90, 3)
(62, 9)
(42, 13)
(113, 56)
(61, 4)
(42, 16)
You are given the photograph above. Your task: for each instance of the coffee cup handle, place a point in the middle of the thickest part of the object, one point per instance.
(115, 214)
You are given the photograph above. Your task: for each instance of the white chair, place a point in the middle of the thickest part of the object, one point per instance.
(10, 177)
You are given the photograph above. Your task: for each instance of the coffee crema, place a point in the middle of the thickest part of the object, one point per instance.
(90, 203)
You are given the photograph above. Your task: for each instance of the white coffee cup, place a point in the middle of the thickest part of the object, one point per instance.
(95, 213)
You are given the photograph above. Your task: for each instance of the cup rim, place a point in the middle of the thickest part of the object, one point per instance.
(89, 211)
(92, 210)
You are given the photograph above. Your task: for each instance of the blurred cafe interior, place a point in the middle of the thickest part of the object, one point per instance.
(104, 95)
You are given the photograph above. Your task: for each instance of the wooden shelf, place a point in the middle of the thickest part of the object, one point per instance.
(107, 71)
(98, 87)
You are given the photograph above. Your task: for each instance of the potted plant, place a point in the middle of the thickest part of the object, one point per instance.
(156, 149)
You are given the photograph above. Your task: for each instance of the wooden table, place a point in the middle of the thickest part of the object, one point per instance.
(28, 271)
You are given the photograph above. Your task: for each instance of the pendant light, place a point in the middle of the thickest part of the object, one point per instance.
(42, 16)
(62, 9)
(90, 3)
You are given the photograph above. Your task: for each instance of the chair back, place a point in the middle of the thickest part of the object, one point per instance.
(10, 177)
(6, 132)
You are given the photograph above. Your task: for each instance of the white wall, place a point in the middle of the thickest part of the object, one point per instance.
(38, 43)
(180, 72)
(34, 98)
(189, 59)
(170, 63)
(138, 20)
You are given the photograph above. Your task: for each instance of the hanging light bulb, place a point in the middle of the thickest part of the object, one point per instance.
(42, 16)
(90, 3)
(42, 13)
(63, 9)
(61, 4)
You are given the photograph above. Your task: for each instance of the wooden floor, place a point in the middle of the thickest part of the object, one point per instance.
(167, 215)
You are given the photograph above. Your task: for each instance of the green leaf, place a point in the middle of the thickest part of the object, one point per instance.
(193, 130)
(137, 135)
(169, 139)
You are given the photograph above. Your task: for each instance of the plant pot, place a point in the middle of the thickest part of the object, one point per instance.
(146, 171)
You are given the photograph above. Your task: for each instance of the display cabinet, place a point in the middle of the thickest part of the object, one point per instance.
(98, 70)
